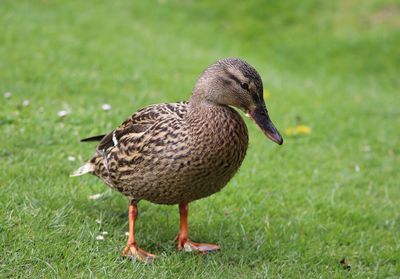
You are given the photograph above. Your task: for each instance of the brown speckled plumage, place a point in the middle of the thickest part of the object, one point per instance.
(179, 157)
(180, 152)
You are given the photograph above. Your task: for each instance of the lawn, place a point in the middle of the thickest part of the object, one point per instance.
(292, 211)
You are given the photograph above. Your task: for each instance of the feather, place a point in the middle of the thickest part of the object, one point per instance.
(86, 168)
(95, 138)
(142, 120)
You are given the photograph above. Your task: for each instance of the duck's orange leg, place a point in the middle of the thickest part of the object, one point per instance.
(182, 237)
(131, 249)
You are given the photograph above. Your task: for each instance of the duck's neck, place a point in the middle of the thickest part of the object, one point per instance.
(199, 95)
(204, 105)
(200, 106)
(206, 115)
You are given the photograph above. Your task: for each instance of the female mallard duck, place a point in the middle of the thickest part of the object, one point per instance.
(177, 153)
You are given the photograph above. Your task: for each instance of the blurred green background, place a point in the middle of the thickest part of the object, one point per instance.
(291, 211)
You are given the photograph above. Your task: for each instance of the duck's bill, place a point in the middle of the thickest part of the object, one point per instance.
(261, 117)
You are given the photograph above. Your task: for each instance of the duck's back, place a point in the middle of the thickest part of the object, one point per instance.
(171, 154)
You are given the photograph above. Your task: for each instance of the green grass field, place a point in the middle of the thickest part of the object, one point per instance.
(292, 211)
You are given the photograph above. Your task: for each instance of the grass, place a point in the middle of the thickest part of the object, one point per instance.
(292, 211)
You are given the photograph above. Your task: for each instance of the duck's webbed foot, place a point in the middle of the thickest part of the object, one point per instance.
(131, 251)
(190, 246)
(183, 242)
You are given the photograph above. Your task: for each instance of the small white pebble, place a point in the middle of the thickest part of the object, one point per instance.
(98, 221)
(357, 168)
(62, 113)
(127, 233)
(71, 158)
(106, 107)
(25, 103)
(95, 197)
(7, 95)
(104, 233)
(99, 237)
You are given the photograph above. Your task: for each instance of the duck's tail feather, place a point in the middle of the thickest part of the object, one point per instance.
(86, 168)
(95, 138)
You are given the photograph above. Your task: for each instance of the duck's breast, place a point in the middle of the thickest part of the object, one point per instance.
(219, 145)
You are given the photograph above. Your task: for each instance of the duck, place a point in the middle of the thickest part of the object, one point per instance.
(177, 153)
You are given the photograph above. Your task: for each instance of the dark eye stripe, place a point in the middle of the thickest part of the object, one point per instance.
(231, 76)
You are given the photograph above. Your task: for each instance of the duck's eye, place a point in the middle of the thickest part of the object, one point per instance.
(245, 86)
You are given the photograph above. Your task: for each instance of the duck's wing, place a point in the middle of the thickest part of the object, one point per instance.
(139, 122)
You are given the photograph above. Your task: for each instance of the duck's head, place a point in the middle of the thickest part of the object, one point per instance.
(234, 82)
